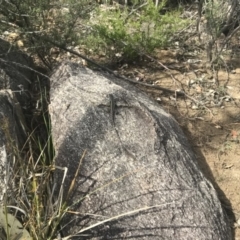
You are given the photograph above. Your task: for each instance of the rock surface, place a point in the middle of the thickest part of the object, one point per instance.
(15, 71)
(139, 178)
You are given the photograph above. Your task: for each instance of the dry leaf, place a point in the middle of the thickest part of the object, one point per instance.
(234, 134)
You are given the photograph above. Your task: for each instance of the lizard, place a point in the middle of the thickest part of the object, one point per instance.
(112, 119)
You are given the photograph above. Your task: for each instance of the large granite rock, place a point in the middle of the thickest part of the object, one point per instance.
(139, 178)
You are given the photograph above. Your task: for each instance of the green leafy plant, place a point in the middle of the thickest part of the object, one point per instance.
(128, 31)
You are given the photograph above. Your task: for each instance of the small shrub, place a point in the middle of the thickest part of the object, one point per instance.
(39, 21)
(126, 32)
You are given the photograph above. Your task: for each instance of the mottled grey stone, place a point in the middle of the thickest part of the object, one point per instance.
(142, 165)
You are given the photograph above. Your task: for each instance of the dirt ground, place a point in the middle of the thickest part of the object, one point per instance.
(212, 128)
